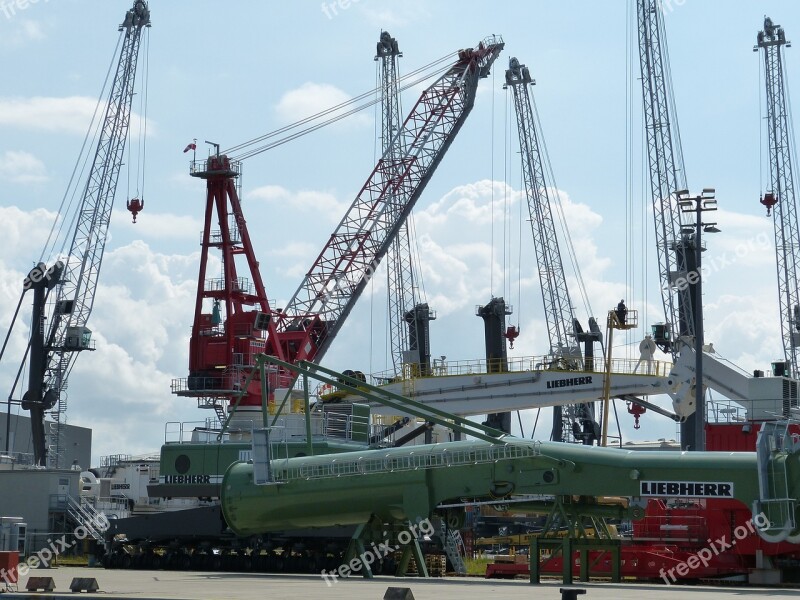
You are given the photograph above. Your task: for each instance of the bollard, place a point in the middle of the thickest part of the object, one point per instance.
(45, 583)
(398, 593)
(571, 593)
(84, 584)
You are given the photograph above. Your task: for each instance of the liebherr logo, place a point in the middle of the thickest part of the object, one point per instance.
(570, 381)
(686, 489)
(190, 479)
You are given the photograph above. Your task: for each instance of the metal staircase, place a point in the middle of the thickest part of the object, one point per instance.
(87, 516)
(453, 546)
(57, 426)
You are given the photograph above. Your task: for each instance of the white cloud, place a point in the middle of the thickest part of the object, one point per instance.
(321, 204)
(156, 224)
(141, 323)
(399, 14)
(312, 98)
(18, 166)
(71, 114)
(293, 259)
(24, 233)
(21, 30)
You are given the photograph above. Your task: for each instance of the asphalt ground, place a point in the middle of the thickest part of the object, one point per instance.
(171, 585)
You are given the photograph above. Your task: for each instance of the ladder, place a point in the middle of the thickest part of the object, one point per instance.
(87, 516)
(454, 547)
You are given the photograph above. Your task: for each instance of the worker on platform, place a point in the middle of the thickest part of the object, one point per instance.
(622, 312)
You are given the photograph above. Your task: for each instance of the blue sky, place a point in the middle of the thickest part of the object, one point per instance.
(227, 72)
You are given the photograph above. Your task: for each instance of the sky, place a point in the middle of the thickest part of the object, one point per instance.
(229, 75)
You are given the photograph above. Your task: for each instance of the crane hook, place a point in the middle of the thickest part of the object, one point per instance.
(769, 200)
(135, 205)
(637, 411)
(511, 334)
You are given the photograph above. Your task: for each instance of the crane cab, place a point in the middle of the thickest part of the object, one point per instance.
(78, 338)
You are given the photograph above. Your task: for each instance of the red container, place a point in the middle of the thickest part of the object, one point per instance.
(8, 567)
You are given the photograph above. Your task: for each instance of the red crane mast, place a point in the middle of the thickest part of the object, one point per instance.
(223, 347)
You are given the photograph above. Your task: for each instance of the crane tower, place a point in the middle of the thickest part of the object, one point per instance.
(74, 280)
(780, 198)
(569, 422)
(409, 317)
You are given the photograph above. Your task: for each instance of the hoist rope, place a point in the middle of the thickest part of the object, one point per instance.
(491, 194)
(59, 222)
(550, 176)
(247, 153)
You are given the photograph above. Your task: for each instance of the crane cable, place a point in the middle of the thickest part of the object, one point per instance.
(677, 146)
(762, 132)
(375, 91)
(491, 198)
(59, 222)
(142, 151)
(425, 72)
(387, 324)
(506, 212)
(630, 274)
(67, 199)
(560, 209)
(330, 121)
(789, 121)
(11, 326)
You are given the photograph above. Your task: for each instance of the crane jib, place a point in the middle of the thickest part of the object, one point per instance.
(339, 274)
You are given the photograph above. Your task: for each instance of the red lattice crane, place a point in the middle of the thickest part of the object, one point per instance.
(242, 323)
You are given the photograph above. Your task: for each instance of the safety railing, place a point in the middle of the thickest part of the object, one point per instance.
(215, 164)
(450, 368)
(291, 427)
(200, 432)
(12, 460)
(409, 460)
(241, 285)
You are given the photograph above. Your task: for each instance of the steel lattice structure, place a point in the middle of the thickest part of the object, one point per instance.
(558, 311)
(401, 289)
(772, 40)
(76, 291)
(555, 295)
(665, 160)
(349, 259)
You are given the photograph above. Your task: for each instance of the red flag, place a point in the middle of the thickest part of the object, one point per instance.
(191, 146)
